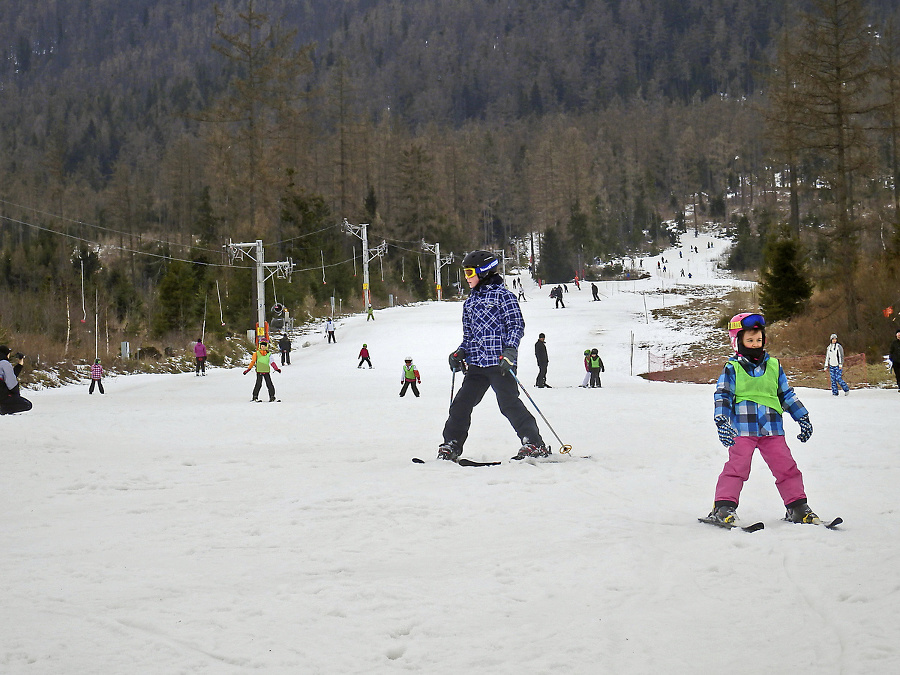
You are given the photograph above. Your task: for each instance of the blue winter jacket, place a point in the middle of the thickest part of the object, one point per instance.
(747, 417)
(492, 320)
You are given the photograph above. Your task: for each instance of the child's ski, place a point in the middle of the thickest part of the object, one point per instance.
(829, 525)
(462, 461)
(729, 526)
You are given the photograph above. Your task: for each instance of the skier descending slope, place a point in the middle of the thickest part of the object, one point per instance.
(751, 395)
(492, 329)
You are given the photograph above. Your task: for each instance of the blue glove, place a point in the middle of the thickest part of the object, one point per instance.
(508, 358)
(805, 429)
(727, 433)
(457, 361)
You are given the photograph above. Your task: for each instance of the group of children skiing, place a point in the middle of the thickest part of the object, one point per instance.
(752, 393)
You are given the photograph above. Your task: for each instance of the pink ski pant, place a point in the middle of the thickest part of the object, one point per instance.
(777, 455)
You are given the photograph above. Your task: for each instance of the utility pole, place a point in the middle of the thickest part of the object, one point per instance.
(439, 262)
(255, 252)
(362, 231)
(501, 256)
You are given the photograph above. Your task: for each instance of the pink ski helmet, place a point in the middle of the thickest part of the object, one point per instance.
(743, 321)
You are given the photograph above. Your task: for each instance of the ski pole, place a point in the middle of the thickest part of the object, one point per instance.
(565, 449)
(452, 386)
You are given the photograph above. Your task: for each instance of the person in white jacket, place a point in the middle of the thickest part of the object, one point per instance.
(834, 364)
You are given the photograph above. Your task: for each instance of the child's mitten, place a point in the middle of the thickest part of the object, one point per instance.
(805, 429)
(727, 433)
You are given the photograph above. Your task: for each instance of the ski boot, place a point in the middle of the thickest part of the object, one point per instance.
(725, 514)
(530, 449)
(449, 450)
(801, 513)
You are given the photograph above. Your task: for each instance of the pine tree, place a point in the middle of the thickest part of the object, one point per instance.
(785, 286)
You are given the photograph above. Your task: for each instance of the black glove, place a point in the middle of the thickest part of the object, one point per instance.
(805, 429)
(457, 360)
(508, 358)
(727, 432)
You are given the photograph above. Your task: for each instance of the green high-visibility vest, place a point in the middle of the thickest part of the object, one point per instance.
(762, 390)
(409, 372)
(262, 362)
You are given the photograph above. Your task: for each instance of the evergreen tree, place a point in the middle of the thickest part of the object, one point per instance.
(784, 287)
(556, 264)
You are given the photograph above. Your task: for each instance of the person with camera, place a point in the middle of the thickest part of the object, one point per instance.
(11, 399)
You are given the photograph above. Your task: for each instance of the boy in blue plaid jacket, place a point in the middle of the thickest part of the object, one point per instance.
(492, 329)
(752, 394)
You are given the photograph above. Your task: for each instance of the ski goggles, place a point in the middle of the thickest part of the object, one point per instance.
(470, 272)
(749, 321)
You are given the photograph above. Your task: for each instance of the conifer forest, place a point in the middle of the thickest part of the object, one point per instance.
(137, 139)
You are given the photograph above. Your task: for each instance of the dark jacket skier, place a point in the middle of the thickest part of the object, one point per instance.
(540, 354)
(492, 329)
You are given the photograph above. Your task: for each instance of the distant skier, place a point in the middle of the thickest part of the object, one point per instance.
(284, 346)
(752, 394)
(11, 399)
(329, 331)
(834, 365)
(410, 377)
(596, 367)
(370, 313)
(263, 363)
(364, 356)
(894, 355)
(96, 377)
(586, 381)
(595, 292)
(199, 356)
(492, 329)
(540, 354)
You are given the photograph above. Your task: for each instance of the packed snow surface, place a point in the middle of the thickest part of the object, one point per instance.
(172, 526)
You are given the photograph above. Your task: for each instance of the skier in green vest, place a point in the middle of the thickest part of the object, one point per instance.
(410, 377)
(263, 362)
(752, 394)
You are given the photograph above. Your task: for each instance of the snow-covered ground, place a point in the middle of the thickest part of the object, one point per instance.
(171, 526)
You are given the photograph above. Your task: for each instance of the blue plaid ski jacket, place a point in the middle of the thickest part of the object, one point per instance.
(750, 418)
(491, 320)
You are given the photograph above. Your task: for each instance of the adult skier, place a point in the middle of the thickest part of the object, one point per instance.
(894, 355)
(284, 345)
(834, 364)
(540, 353)
(492, 329)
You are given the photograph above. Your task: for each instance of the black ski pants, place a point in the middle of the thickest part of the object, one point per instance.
(474, 386)
(406, 385)
(99, 384)
(541, 380)
(259, 380)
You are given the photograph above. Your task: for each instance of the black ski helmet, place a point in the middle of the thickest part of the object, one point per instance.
(484, 263)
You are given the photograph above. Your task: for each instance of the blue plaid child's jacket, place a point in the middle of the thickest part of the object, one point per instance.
(748, 417)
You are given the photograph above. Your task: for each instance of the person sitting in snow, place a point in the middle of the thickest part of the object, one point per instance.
(752, 394)
(11, 399)
(262, 361)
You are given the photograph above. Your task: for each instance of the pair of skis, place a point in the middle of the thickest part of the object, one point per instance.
(755, 527)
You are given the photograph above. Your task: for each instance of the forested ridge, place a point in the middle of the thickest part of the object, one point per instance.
(138, 138)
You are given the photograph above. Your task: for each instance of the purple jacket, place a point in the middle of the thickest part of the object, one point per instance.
(200, 350)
